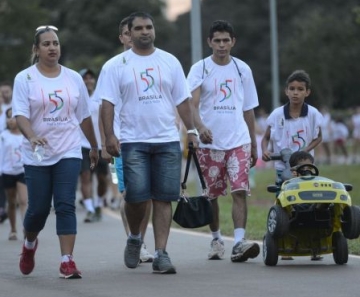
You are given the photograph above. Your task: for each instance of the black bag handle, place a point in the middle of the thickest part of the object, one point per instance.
(192, 154)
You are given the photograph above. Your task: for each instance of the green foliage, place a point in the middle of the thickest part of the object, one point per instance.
(318, 36)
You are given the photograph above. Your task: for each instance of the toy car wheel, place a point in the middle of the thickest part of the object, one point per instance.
(350, 222)
(270, 250)
(277, 221)
(340, 248)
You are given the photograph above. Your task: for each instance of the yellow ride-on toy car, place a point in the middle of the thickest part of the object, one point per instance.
(312, 216)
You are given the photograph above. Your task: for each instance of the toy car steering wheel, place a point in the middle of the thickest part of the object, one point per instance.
(307, 169)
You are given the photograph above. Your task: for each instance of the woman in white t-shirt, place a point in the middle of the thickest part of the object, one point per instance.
(50, 106)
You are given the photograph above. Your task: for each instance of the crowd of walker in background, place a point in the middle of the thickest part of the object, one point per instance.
(340, 137)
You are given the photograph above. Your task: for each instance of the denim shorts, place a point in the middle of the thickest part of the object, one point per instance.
(151, 171)
(55, 182)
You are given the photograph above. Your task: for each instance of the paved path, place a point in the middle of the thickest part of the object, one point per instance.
(99, 254)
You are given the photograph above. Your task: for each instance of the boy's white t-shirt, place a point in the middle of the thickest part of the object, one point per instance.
(10, 153)
(149, 87)
(226, 92)
(55, 108)
(295, 134)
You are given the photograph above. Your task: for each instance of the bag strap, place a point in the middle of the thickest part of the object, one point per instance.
(192, 154)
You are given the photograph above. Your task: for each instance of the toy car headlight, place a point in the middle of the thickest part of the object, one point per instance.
(291, 198)
(343, 197)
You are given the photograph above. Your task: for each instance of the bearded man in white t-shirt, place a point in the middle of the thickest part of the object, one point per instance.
(151, 86)
(224, 96)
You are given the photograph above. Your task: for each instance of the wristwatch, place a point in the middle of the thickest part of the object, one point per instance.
(193, 131)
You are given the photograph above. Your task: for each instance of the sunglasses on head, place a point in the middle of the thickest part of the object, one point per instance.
(46, 27)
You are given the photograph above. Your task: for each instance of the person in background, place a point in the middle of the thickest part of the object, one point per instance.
(355, 125)
(13, 172)
(150, 85)
(50, 104)
(5, 103)
(341, 136)
(327, 133)
(93, 204)
(223, 91)
(145, 255)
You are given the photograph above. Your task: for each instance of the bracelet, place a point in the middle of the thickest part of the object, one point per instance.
(193, 131)
(94, 148)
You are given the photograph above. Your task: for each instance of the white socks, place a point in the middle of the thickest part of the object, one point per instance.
(66, 258)
(29, 245)
(88, 203)
(216, 234)
(239, 235)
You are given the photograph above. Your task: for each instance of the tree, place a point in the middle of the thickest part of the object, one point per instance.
(18, 21)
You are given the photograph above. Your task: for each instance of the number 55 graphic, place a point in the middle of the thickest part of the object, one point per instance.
(56, 100)
(298, 140)
(147, 78)
(225, 89)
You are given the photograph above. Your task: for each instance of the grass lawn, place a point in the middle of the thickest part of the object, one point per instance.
(260, 201)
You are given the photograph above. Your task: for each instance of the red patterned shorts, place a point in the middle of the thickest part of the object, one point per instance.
(219, 166)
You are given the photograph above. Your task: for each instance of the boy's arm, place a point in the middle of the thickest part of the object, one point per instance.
(265, 144)
(314, 143)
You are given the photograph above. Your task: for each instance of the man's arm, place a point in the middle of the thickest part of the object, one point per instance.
(107, 117)
(185, 111)
(204, 133)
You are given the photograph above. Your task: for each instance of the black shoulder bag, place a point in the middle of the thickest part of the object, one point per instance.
(193, 212)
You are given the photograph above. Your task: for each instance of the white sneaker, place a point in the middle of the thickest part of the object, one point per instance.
(145, 256)
(217, 249)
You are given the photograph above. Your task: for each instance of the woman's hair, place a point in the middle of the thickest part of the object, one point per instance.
(34, 57)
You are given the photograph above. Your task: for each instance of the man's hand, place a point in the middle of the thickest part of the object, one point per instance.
(113, 146)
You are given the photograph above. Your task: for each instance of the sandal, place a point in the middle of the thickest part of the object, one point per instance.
(13, 236)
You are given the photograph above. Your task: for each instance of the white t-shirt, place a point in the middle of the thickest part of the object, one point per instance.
(55, 108)
(149, 87)
(10, 153)
(226, 92)
(94, 110)
(295, 134)
(113, 62)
